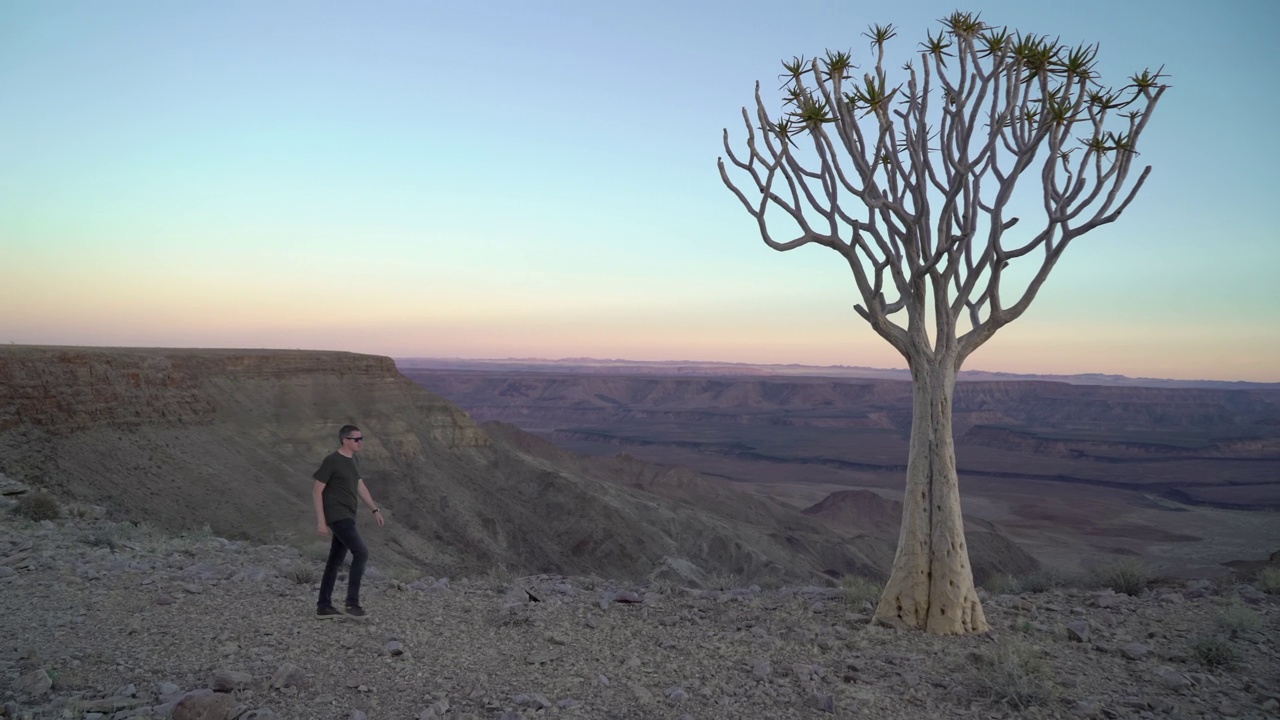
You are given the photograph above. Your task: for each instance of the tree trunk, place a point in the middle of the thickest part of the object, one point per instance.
(931, 587)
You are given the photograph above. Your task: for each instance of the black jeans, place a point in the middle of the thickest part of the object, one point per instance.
(345, 538)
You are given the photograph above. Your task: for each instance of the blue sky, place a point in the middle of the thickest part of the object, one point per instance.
(538, 180)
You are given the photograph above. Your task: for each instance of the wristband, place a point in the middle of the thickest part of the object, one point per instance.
(377, 510)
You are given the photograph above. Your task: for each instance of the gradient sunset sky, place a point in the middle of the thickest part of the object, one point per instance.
(538, 179)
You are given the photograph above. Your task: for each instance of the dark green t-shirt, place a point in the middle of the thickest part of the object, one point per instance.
(341, 477)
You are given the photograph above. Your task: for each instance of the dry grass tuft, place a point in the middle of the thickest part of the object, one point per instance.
(1015, 673)
(302, 574)
(37, 506)
(1238, 619)
(1126, 576)
(1268, 580)
(1213, 652)
(859, 592)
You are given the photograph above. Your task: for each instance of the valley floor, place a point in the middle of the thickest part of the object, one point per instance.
(102, 620)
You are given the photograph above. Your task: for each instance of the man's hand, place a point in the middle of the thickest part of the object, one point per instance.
(323, 530)
(378, 516)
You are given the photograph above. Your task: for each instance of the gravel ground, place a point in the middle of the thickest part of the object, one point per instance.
(111, 621)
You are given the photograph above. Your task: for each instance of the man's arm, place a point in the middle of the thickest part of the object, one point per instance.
(317, 498)
(368, 500)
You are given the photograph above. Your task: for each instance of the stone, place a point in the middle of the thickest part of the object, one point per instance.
(1171, 679)
(641, 693)
(394, 648)
(538, 657)
(204, 705)
(1078, 631)
(33, 684)
(288, 675)
(762, 669)
(223, 680)
(1106, 599)
(1135, 651)
(822, 702)
(1251, 594)
(111, 704)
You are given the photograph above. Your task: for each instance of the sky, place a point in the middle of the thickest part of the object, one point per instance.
(538, 179)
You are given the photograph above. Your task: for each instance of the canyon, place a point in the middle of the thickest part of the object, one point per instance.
(1186, 478)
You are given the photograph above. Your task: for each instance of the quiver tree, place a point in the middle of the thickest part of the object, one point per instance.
(914, 184)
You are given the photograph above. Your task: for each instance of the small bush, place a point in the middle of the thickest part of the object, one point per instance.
(1237, 619)
(1044, 580)
(405, 574)
(199, 534)
(81, 511)
(318, 551)
(724, 581)
(37, 506)
(500, 578)
(1213, 651)
(1268, 580)
(662, 586)
(302, 574)
(771, 582)
(1015, 673)
(859, 591)
(108, 535)
(1127, 576)
(1002, 584)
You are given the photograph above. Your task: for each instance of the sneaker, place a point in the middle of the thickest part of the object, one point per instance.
(355, 610)
(328, 611)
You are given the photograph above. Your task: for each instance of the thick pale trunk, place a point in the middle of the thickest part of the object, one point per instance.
(931, 587)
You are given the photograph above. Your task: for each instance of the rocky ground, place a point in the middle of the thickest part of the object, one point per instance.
(105, 620)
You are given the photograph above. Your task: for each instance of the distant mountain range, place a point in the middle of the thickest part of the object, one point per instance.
(708, 368)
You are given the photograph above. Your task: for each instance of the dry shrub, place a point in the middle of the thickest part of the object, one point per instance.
(317, 550)
(1237, 619)
(1015, 673)
(1046, 579)
(663, 586)
(500, 578)
(301, 574)
(1002, 584)
(405, 574)
(859, 591)
(724, 581)
(1127, 576)
(1042, 580)
(1213, 652)
(771, 582)
(37, 506)
(1268, 580)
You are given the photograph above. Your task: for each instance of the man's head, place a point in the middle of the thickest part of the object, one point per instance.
(350, 438)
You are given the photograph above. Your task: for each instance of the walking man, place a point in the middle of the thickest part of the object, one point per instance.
(338, 484)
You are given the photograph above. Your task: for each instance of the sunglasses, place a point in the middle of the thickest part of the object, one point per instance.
(355, 439)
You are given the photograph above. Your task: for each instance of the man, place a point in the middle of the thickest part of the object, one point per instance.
(338, 484)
